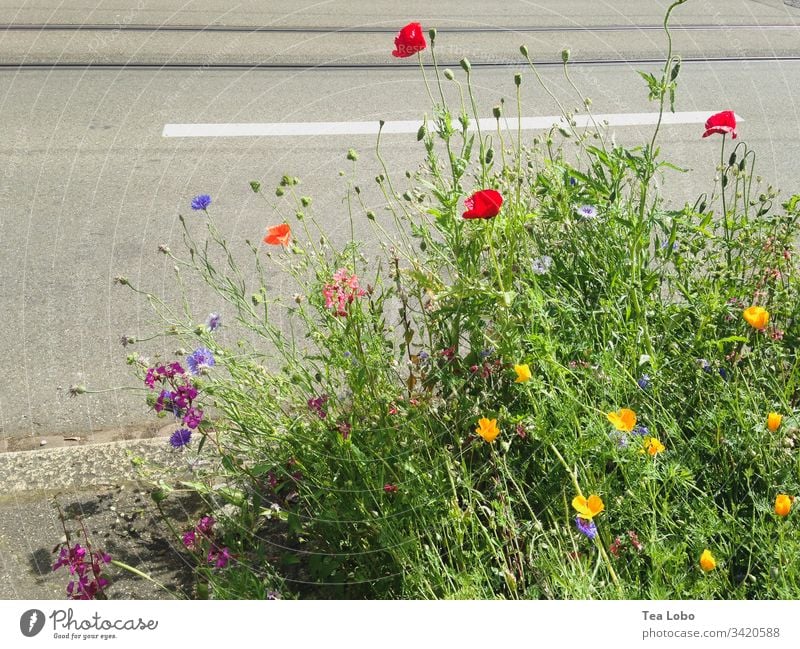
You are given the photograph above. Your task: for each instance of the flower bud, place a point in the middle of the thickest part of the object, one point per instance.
(497, 111)
(517, 79)
(352, 155)
(565, 55)
(305, 201)
(466, 65)
(523, 50)
(255, 186)
(432, 35)
(448, 74)
(279, 192)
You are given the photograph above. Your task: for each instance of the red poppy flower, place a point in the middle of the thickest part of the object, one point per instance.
(722, 123)
(409, 41)
(278, 235)
(484, 204)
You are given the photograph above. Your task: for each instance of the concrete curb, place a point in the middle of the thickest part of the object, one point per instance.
(82, 467)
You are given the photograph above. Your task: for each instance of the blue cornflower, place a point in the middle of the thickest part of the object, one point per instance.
(587, 212)
(201, 202)
(199, 359)
(214, 322)
(586, 527)
(644, 381)
(704, 365)
(180, 437)
(487, 352)
(642, 431)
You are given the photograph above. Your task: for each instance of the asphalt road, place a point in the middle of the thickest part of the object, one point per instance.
(89, 187)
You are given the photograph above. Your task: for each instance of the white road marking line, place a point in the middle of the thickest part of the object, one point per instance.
(289, 129)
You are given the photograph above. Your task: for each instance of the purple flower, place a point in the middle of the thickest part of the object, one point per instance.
(206, 524)
(180, 438)
(199, 359)
(193, 417)
(164, 401)
(201, 202)
(219, 558)
(644, 381)
(587, 528)
(642, 431)
(317, 406)
(273, 594)
(587, 212)
(190, 540)
(214, 322)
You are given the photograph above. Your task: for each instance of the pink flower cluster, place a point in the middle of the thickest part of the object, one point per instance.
(86, 568)
(202, 536)
(342, 291)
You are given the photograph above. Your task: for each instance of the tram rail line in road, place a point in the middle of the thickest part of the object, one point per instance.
(386, 30)
(65, 65)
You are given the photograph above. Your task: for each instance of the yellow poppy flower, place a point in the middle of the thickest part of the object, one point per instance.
(774, 421)
(653, 446)
(707, 561)
(588, 508)
(487, 429)
(523, 373)
(624, 419)
(756, 316)
(783, 504)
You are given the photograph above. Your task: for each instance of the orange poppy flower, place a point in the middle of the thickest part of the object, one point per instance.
(487, 429)
(588, 508)
(774, 421)
(707, 561)
(783, 504)
(624, 419)
(756, 316)
(278, 235)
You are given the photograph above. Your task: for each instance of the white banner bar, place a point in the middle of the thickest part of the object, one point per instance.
(390, 624)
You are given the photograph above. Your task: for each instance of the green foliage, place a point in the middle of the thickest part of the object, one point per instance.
(392, 494)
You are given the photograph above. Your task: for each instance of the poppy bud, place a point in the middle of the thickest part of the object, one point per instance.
(466, 65)
(497, 111)
(305, 201)
(255, 186)
(518, 79)
(524, 51)
(448, 74)
(565, 55)
(279, 192)
(432, 34)
(371, 215)
(352, 155)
